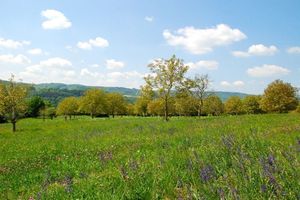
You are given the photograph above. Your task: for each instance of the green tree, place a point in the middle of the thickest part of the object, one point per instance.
(198, 88)
(213, 105)
(68, 107)
(185, 104)
(34, 106)
(50, 112)
(279, 97)
(93, 102)
(234, 105)
(146, 95)
(116, 104)
(251, 104)
(166, 76)
(13, 101)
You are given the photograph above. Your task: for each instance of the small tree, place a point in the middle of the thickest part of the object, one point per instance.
(50, 112)
(116, 104)
(68, 107)
(12, 101)
(93, 102)
(279, 97)
(234, 105)
(146, 96)
(185, 104)
(251, 104)
(213, 105)
(198, 88)
(166, 76)
(34, 106)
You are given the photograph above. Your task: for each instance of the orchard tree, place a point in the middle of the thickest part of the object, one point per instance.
(12, 101)
(155, 107)
(184, 103)
(146, 95)
(93, 102)
(234, 105)
(68, 107)
(50, 112)
(251, 104)
(198, 88)
(166, 76)
(279, 97)
(34, 106)
(213, 105)
(116, 104)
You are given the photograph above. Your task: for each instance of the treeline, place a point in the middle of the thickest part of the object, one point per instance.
(167, 92)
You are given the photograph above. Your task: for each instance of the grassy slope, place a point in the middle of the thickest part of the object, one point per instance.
(147, 158)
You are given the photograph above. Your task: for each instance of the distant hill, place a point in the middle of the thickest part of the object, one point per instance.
(55, 92)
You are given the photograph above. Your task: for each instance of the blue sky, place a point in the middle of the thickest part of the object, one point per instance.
(241, 45)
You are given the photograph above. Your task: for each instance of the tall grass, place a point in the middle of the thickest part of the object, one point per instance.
(237, 157)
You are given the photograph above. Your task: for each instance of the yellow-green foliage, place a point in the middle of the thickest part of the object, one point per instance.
(68, 107)
(234, 105)
(279, 97)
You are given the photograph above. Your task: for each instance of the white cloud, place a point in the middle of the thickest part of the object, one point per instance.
(149, 19)
(35, 51)
(294, 50)
(240, 54)
(124, 79)
(55, 20)
(50, 70)
(235, 84)
(97, 42)
(95, 65)
(257, 50)
(206, 64)
(201, 41)
(225, 83)
(18, 59)
(113, 64)
(84, 45)
(238, 83)
(267, 71)
(12, 44)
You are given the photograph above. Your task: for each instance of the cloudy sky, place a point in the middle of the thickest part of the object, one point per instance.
(241, 45)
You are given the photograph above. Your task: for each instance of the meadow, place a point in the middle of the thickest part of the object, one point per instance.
(226, 157)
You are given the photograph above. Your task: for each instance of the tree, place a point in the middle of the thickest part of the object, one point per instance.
(13, 101)
(166, 76)
(185, 104)
(93, 102)
(34, 106)
(50, 112)
(234, 105)
(213, 105)
(298, 109)
(146, 95)
(279, 97)
(116, 104)
(68, 107)
(155, 107)
(251, 104)
(198, 88)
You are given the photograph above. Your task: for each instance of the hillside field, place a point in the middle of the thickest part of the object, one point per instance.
(227, 157)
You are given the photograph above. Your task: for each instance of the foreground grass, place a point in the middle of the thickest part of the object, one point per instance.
(238, 157)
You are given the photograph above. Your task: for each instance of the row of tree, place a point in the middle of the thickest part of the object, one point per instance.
(167, 92)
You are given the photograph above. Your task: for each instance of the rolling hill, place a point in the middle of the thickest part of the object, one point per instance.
(55, 92)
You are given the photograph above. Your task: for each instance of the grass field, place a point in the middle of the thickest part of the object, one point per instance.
(230, 157)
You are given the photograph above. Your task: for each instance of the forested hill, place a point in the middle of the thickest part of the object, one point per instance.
(55, 92)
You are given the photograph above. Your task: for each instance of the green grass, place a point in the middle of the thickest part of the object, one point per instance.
(245, 157)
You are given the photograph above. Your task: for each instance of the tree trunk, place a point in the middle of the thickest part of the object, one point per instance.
(113, 115)
(14, 126)
(166, 110)
(65, 117)
(14, 120)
